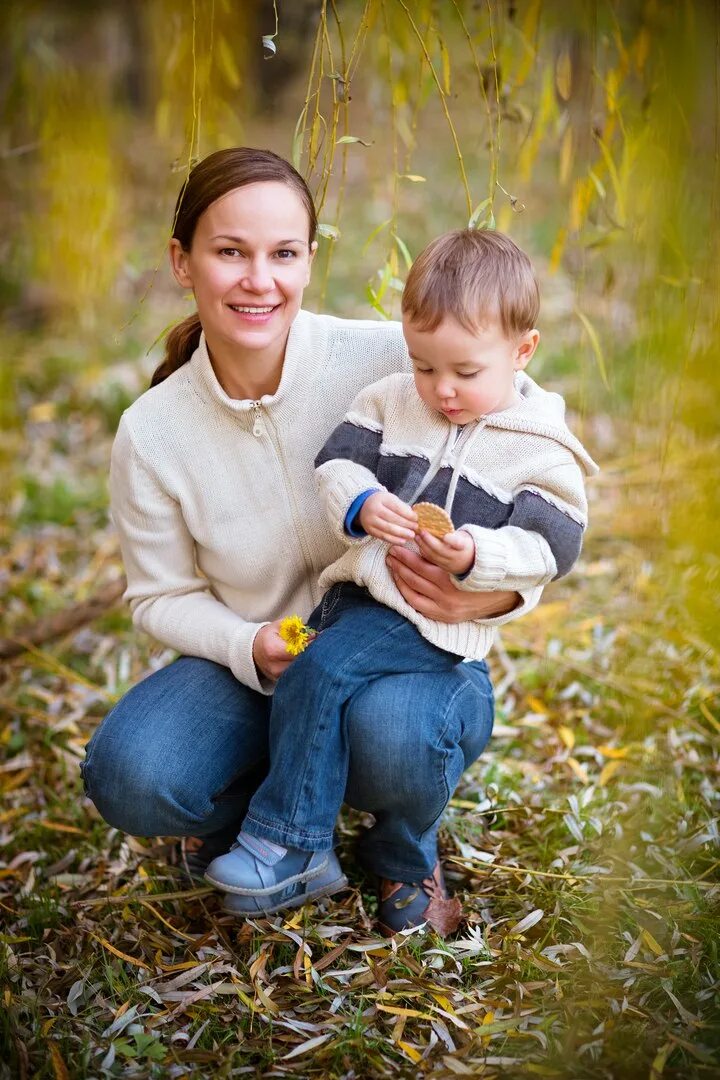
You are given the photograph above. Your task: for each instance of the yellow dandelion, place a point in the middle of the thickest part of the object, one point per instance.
(295, 634)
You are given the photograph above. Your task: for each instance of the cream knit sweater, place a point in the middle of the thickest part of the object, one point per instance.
(512, 479)
(215, 501)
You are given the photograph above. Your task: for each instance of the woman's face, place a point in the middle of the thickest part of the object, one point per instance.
(248, 266)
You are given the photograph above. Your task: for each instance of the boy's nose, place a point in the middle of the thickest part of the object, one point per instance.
(445, 390)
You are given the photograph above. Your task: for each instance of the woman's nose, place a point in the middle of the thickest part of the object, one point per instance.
(257, 277)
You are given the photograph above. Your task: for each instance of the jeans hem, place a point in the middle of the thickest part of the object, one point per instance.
(395, 872)
(283, 834)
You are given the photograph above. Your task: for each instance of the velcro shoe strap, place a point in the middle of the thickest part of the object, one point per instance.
(259, 849)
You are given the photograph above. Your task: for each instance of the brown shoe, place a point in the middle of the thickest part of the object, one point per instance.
(404, 905)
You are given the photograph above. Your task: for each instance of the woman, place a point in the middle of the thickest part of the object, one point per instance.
(222, 534)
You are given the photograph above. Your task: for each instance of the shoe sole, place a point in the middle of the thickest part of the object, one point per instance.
(296, 901)
(296, 879)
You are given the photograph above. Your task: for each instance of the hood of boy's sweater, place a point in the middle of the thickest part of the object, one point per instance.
(541, 412)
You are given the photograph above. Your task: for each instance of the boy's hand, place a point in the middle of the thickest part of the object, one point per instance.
(454, 552)
(388, 518)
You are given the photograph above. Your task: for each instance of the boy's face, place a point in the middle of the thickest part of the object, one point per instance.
(465, 374)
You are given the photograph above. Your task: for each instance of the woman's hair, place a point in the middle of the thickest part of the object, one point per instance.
(471, 275)
(213, 177)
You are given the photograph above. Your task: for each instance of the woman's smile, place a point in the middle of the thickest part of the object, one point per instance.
(248, 266)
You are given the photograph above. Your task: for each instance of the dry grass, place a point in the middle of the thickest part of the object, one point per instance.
(583, 844)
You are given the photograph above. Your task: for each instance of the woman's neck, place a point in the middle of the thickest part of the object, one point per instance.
(247, 375)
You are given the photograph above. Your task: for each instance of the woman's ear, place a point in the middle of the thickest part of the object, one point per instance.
(311, 256)
(526, 346)
(179, 263)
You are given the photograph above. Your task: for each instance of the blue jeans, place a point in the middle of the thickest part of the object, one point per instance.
(185, 750)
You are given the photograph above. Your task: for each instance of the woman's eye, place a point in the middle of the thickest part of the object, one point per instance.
(229, 251)
(286, 253)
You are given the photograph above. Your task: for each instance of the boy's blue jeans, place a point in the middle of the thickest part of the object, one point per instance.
(185, 752)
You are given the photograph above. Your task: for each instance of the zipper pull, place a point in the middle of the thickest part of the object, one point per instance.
(258, 424)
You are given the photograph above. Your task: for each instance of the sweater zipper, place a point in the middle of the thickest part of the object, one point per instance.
(257, 421)
(297, 519)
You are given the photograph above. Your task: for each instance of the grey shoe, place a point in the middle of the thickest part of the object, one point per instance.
(255, 869)
(328, 881)
(404, 905)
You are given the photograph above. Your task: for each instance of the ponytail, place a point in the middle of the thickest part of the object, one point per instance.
(181, 342)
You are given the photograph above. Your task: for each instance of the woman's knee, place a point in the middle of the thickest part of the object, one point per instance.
(170, 745)
(133, 781)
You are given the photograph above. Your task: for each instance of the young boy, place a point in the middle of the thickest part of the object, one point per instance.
(470, 432)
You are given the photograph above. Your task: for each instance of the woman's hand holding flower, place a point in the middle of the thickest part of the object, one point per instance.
(270, 651)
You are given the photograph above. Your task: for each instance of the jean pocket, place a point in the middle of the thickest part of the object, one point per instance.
(330, 601)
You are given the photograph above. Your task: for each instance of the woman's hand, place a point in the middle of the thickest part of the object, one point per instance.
(388, 518)
(269, 652)
(432, 593)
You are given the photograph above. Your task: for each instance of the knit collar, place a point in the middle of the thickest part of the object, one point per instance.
(207, 384)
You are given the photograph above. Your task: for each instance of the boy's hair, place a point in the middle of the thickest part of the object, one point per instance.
(472, 275)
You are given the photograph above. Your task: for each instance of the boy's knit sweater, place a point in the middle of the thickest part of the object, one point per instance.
(215, 501)
(512, 479)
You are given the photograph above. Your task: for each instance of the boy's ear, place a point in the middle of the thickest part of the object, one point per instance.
(179, 263)
(526, 346)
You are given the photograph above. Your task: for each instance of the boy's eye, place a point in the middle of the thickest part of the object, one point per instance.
(468, 374)
(423, 370)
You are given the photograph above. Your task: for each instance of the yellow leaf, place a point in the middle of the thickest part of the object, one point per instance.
(414, 177)
(443, 1003)
(708, 715)
(579, 770)
(563, 75)
(652, 944)
(397, 1011)
(59, 1066)
(580, 203)
(614, 751)
(488, 1018)
(57, 826)
(608, 772)
(445, 56)
(266, 1001)
(642, 48)
(566, 155)
(410, 1051)
(557, 253)
(658, 1066)
(116, 952)
(612, 86)
(596, 347)
(536, 705)
(42, 412)
(567, 736)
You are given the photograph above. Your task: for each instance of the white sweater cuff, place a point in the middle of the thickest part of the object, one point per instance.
(242, 664)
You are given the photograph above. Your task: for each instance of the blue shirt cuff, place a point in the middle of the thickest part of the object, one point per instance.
(353, 527)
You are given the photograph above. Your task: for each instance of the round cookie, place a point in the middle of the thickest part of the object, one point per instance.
(433, 519)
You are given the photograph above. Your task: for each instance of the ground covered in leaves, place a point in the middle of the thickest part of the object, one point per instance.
(583, 844)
